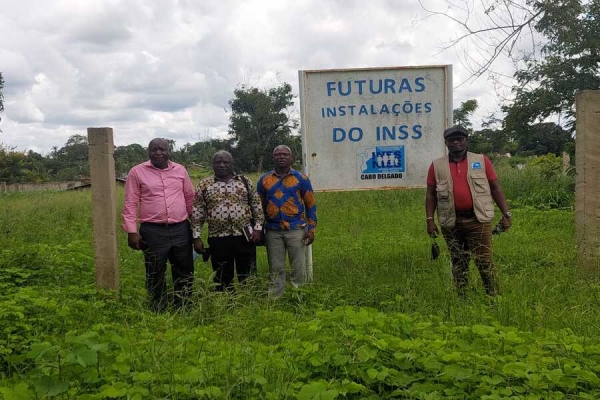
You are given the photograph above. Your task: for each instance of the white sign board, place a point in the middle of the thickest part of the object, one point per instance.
(375, 128)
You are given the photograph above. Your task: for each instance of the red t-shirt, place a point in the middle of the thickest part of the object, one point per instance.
(463, 201)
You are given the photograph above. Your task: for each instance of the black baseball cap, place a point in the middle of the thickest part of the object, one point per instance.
(455, 130)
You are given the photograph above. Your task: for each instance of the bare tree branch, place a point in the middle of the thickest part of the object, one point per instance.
(496, 30)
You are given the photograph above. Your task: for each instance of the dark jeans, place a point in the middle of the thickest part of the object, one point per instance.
(171, 242)
(229, 252)
(469, 237)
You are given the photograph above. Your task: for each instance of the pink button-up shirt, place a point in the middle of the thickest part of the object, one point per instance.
(163, 195)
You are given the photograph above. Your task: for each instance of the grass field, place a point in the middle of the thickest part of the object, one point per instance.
(381, 319)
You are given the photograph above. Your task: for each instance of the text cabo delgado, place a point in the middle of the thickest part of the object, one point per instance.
(381, 176)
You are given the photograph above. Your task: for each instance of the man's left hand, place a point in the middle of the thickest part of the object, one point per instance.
(309, 237)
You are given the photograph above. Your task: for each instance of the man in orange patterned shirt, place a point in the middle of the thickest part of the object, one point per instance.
(290, 210)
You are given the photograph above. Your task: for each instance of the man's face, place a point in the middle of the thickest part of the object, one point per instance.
(223, 166)
(456, 144)
(158, 152)
(282, 157)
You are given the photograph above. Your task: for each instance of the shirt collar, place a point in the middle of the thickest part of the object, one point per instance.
(149, 165)
(274, 172)
(457, 160)
(235, 177)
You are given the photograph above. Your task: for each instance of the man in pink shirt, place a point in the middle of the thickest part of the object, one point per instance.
(159, 194)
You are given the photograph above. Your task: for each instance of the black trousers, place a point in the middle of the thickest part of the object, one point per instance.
(173, 243)
(231, 252)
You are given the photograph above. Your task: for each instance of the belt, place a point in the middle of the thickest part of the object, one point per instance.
(465, 214)
(163, 223)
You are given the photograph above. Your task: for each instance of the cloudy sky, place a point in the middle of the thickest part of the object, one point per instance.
(150, 68)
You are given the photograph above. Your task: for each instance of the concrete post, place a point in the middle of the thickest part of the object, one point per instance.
(587, 191)
(104, 207)
(566, 161)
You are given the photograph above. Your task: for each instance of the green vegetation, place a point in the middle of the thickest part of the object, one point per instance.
(260, 121)
(380, 321)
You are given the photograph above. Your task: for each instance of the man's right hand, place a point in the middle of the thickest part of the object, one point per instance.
(432, 229)
(198, 246)
(134, 240)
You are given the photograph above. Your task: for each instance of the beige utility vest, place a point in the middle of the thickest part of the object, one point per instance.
(483, 204)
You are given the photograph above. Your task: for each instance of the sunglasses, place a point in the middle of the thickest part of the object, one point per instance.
(456, 139)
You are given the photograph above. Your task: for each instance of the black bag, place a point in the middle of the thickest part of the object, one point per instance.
(206, 255)
(262, 239)
(435, 250)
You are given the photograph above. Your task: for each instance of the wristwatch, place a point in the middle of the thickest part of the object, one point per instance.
(508, 214)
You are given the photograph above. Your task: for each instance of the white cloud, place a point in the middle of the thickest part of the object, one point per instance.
(169, 67)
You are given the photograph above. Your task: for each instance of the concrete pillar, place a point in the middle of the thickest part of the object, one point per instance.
(104, 207)
(587, 192)
(566, 161)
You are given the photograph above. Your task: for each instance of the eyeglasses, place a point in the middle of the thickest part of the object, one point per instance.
(456, 139)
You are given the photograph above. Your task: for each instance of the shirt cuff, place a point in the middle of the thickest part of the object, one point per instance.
(130, 227)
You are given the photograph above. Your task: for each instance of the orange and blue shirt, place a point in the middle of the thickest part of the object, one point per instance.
(288, 201)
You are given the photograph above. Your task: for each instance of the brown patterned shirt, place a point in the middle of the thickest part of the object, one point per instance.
(224, 206)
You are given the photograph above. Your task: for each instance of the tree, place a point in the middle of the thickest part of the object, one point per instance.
(17, 166)
(541, 139)
(128, 156)
(259, 121)
(564, 55)
(11, 164)
(202, 152)
(464, 113)
(71, 161)
(490, 141)
(547, 87)
(484, 141)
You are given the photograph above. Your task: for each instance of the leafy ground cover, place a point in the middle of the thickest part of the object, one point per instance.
(380, 321)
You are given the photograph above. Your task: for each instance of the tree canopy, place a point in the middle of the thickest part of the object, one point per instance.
(462, 115)
(529, 140)
(555, 46)
(260, 121)
(570, 62)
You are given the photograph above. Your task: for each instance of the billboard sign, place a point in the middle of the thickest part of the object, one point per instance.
(373, 128)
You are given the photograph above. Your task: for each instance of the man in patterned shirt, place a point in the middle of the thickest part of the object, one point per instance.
(229, 204)
(291, 217)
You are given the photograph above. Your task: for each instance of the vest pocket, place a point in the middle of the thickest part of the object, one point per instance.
(480, 185)
(445, 209)
(442, 191)
(486, 206)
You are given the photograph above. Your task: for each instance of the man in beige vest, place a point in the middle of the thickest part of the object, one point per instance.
(463, 187)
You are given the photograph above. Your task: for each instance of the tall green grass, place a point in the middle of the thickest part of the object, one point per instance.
(539, 182)
(371, 250)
